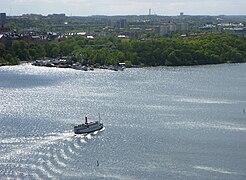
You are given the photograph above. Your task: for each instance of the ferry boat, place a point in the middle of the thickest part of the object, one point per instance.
(88, 127)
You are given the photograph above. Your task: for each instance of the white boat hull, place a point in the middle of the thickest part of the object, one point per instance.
(87, 128)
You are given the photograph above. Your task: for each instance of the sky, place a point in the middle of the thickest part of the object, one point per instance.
(123, 7)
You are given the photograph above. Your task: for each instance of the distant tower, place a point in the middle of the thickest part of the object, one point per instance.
(2, 19)
(181, 14)
(150, 12)
(123, 23)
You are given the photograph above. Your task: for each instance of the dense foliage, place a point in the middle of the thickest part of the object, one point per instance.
(174, 51)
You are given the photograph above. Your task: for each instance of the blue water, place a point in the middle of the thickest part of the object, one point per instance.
(160, 123)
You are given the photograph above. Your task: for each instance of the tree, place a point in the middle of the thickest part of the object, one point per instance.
(2, 49)
(12, 59)
(20, 49)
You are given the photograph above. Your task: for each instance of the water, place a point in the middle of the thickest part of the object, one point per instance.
(160, 123)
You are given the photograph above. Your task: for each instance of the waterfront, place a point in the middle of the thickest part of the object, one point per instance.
(160, 123)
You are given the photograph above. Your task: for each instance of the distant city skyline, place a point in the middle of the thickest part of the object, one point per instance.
(126, 7)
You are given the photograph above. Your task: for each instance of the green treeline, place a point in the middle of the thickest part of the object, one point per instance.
(167, 51)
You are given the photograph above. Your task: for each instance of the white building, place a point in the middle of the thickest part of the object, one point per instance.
(163, 30)
(184, 27)
(172, 27)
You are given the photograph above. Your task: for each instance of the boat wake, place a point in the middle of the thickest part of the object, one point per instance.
(41, 157)
(216, 170)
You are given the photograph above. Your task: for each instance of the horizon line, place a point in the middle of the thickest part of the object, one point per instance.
(111, 15)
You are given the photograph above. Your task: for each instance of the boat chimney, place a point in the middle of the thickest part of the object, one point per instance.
(85, 120)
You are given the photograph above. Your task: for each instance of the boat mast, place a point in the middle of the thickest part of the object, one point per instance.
(85, 120)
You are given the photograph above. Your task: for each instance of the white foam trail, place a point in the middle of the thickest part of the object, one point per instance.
(37, 168)
(29, 144)
(58, 161)
(35, 176)
(80, 135)
(44, 171)
(205, 101)
(83, 141)
(70, 150)
(58, 136)
(94, 133)
(53, 168)
(76, 145)
(212, 169)
(89, 136)
(34, 143)
(64, 155)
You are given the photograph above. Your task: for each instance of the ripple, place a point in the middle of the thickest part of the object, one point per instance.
(58, 161)
(43, 157)
(217, 170)
(64, 155)
(205, 101)
(206, 125)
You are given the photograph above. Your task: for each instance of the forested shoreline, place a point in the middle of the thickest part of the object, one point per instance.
(165, 51)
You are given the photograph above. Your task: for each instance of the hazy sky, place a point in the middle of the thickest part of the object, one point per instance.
(123, 7)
